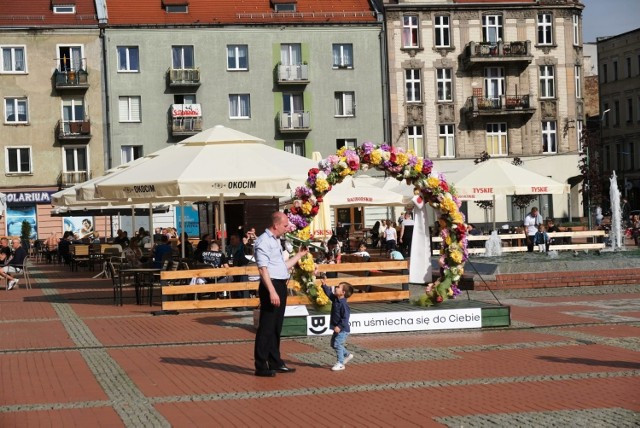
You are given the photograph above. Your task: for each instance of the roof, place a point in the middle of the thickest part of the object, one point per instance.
(220, 12)
(39, 13)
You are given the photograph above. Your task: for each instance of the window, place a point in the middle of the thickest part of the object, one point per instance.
(616, 113)
(576, 30)
(237, 57)
(349, 143)
(628, 67)
(16, 110)
(184, 99)
(547, 87)
(345, 105)
(415, 140)
(295, 147)
(604, 73)
(445, 84)
(443, 31)
(497, 139)
(129, 109)
(578, 77)
(492, 28)
(579, 135)
(343, 55)
(291, 54)
(17, 160)
(413, 85)
(549, 137)
(605, 107)
(284, 7)
(75, 159)
(615, 70)
(176, 8)
(410, 32)
(545, 29)
(128, 59)
(70, 58)
(629, 110)
(64, 8)
(239, 106)
(72, 111)
(130, 153)
(446, 142)
(494, 82)
(182, 57)
(14, 59)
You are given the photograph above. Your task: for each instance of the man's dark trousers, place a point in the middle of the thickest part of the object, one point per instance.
(267, 347)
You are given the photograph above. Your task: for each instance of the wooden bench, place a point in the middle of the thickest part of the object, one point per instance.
(588, 241)
(386, 286)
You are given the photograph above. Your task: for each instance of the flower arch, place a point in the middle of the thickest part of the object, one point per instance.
(402, 165)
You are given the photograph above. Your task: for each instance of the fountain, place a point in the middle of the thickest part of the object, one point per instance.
(615, 234)
(493, 246)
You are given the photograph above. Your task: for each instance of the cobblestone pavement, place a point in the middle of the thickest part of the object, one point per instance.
(69, 357)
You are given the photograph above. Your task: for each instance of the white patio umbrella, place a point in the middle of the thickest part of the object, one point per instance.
(320, 226)
(359, 191)
(499, 178)
(217, 164)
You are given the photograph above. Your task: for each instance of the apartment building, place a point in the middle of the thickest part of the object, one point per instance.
(501, 77)
(619, 73)
(51, 90)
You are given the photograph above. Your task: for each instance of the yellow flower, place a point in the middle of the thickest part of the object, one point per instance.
(456, 217)
(448, 206)
(448, 240)
(345, 172)
(306, 208)
(433, 182)
(341, 151)
(304, 234)
(307, 264)
(418, 165)
(376, 157)
(456, 256)
(322, 185)
(402, 158)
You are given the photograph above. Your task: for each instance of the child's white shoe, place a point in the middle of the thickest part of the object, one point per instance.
(348, 358)
(337, 367)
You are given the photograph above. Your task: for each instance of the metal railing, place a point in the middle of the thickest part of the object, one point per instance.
(295, 121)
(184, 76)
(293, 73)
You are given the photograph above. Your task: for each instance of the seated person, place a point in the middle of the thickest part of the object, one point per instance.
(396, 255)
(133, 253)
(14, 264)
(162, 252)
(202, 246)
(362, 252)
(64, 247)
(214, 257)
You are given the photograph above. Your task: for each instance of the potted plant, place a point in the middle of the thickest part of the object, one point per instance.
(25, 235)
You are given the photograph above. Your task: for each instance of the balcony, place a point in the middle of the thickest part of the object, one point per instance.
(71, 178)
(73, 131)
(481, 53)
(295, 122)
(186, 119)
(184, 76)
(71, 78)
(503, 105)
(293, 74)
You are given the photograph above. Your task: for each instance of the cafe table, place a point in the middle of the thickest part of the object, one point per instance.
(143, 277)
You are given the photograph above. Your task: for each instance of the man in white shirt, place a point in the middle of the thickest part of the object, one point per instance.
(531, 223)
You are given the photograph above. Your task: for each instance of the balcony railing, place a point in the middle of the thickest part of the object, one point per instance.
(184, 76)
(504, 104)
(73, 130)
(295, 122)
(482, 52)
(186, 125)
(71, 76)
(71, 178)
(293, 73)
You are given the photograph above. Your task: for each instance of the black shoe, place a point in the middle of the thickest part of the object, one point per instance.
(285, 369)
(265, 373)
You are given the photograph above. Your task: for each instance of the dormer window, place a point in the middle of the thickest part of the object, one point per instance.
(284, 5)
(176, 6)
(63, 6)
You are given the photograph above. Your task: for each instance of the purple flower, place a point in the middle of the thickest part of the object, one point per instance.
(385, 147)
(298, 220)
(303, 192)
(367, 147)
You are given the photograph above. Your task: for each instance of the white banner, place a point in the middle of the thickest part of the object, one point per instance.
(186, 110)
(387, 322)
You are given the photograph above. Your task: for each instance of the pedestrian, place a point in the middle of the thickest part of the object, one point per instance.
(541, 239)
(272, 291)
(390, 236)
(406, 233)
(531, 223)
(339, 320)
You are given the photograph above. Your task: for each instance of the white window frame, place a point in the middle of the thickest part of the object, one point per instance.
(236, 104)
(579, 134)
(342, 55)
(349, 143)
(130, 101)
(444, 83)
(233, 56)
(410, 32)
(446, 141)
(291, 53)
(549, 137)
(547, 81)
(16, 101)
(413, 85)
(497, 137)
(64, 9)
(442, 27)
(75, 61)
(18, 150)
(127, 67)
(492, 26)
(14, 68)
(345, 104)
(494, 82)
(578, 80)
(75, 149)
(130, 153)
(182, 59)
(415, 139)
(544, 29)
(576, 30)
(296, 147)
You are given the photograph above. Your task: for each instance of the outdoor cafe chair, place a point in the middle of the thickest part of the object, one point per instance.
(23, 273)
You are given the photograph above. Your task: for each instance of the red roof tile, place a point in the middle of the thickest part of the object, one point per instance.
(39, 13)
(215, 12)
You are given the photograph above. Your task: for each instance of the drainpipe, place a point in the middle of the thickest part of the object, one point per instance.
(107, 101)
(386, 124)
